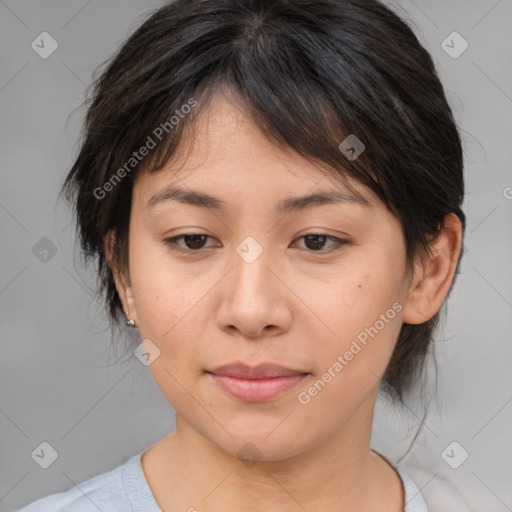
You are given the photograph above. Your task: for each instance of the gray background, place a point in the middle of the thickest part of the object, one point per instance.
(59, 380)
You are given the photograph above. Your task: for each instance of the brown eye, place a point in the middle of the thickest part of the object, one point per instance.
(193, 242)
(315, 242)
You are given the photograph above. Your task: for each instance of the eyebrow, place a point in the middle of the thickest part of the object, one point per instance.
(286, 205)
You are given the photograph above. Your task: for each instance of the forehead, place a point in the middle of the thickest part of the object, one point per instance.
(224, 153)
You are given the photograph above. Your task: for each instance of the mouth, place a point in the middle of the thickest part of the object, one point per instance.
(256, 384)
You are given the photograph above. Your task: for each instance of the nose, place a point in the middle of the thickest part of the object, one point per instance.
(255, 299)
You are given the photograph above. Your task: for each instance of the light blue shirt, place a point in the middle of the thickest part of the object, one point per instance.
(125, 489)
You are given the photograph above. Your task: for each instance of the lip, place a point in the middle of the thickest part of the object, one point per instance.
(257, 383)
(260, 371)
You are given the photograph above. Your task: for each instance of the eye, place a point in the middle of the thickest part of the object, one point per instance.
(194, 242)
(316, 242)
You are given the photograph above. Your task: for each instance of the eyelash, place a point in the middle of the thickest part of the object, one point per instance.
(172, 243)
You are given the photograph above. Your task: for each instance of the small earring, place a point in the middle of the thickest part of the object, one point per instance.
(129, 322)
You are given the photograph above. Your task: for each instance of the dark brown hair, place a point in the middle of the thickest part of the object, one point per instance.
(309, 73)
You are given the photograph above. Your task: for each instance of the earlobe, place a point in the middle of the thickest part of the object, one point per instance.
(434, 275)
(417, 298)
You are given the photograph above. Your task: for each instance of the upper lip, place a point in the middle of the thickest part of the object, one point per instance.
(261, 371)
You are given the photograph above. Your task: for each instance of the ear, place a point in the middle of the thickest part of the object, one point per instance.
(122, 281)
(434, 275)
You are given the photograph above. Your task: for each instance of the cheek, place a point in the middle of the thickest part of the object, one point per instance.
(351, 301)
(361, 322)
(167, 298)
(349, 369)
(172, 311)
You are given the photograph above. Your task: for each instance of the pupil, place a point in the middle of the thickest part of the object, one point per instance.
(195, 241)
(322, 241)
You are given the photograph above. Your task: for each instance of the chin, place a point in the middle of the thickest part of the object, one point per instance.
(262, 446)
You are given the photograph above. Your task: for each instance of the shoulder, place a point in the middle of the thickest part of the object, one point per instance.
(432, 490)
(105, 492)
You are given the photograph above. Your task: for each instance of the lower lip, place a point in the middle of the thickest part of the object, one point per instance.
(257, 390)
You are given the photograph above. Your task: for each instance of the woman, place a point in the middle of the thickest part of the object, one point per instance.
(273, 191)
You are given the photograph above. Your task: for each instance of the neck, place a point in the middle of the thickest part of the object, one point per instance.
(351, 477)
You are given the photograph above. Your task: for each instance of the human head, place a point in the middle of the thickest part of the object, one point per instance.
(309, 74)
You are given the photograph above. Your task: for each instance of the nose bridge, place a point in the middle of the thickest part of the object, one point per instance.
(251, 269)
(252, 300)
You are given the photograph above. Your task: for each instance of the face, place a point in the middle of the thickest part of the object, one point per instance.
(238, 279)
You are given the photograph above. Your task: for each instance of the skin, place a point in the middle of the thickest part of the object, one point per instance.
(294, 306)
